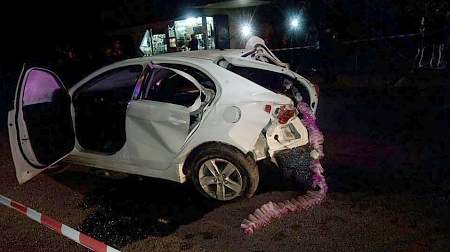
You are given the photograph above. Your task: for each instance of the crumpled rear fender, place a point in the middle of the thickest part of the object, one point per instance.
(254, 119)
(236, 124)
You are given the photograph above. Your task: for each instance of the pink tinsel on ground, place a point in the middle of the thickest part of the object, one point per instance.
(271, 211)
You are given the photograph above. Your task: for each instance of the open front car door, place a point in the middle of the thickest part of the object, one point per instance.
(40, 125)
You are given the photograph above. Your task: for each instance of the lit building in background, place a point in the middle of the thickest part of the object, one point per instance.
(201, 27)
(216, 25)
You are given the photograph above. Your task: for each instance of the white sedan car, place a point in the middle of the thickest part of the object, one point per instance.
(204, 116)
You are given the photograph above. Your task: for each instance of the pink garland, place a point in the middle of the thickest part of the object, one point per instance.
(271, 211)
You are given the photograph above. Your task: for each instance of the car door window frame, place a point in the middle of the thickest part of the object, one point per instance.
(88, 83)
(195, 72)
(147, 77)
(19, 115)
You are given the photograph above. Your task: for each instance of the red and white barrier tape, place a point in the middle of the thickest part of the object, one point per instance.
(349, 42)
(58, 227)
(382, 38)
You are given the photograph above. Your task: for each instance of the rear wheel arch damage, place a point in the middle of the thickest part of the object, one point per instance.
(206, 151)
(247, 129)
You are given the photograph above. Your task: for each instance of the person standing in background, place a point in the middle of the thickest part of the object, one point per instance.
(438, 38)
(193, 44)
(447, 47)
(422, 44)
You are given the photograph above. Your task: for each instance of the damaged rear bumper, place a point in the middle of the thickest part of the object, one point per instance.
(278, 137)
(287, 146)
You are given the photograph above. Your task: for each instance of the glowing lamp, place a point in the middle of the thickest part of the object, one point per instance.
(246, 30)
(295, 23)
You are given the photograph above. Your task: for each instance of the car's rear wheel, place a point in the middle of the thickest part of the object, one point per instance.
(223, 173)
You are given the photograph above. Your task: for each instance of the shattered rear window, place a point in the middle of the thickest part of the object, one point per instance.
(276, 82)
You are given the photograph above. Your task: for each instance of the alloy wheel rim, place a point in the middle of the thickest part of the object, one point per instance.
(220, 179)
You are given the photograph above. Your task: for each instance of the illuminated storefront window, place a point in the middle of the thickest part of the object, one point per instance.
(201, 27)
(159, 44)
(210, 31)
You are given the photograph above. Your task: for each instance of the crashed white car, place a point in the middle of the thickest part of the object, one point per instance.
(204, 116)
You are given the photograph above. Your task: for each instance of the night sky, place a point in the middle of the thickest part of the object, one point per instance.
(40, 25)
(34, 28)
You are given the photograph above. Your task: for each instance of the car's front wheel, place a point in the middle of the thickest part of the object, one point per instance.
(223, 173)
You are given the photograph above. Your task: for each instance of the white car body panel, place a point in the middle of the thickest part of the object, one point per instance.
(156, 137)
(24, 171)
(139, 155)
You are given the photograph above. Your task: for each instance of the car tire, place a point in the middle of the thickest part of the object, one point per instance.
(245, 166)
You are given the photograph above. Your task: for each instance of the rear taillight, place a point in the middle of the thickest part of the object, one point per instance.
(283, 113)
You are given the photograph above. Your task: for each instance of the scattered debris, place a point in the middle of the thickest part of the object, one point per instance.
(270, 211)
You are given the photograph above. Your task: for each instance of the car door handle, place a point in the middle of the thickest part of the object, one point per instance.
(176, 121)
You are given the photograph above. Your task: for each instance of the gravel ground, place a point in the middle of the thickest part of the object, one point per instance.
(383, 201)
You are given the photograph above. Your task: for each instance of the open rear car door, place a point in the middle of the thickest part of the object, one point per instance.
(40, 125)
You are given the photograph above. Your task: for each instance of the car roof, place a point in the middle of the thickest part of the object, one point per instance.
(207, 54)
(199, 57)
(199, 54)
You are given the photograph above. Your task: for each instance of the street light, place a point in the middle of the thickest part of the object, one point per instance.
(246, 30)
(295, 22)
